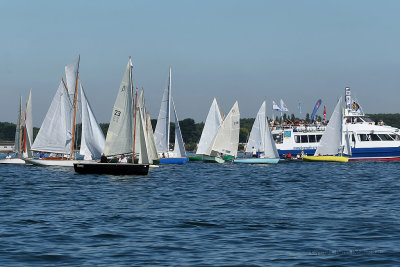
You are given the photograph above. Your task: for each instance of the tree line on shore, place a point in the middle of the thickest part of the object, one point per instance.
(191, 131)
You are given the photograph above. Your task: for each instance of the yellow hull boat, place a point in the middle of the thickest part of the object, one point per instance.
(326, 158)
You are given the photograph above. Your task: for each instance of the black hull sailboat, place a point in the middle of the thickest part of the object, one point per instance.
(111, 168)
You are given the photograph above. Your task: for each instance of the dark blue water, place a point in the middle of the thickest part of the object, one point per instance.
(302, 214)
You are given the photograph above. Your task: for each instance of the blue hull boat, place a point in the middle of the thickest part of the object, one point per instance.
(173, 160)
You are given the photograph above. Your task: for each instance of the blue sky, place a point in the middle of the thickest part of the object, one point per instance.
(234, 50)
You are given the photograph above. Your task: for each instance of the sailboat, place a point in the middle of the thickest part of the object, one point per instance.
(162, 131)
(330, 147)
(23, 134)
(213, 121)
(57, 133)
(126, 134)
(261, 139)
(225, 142)
(151, 150)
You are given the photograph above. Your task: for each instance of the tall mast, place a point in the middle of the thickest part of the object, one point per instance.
(20, 127)
(134, 126)
(75, 102)
(169, 108)
(134, 131)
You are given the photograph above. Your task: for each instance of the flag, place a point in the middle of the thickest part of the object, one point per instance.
(315, 109)
(357, 107)
(324, 113)
(275, 106)
(283, 107)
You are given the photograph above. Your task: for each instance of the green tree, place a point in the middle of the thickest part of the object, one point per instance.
(308, 117)
(243, 135)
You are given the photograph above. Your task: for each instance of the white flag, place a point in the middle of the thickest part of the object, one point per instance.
(283, 106)
(275, 106)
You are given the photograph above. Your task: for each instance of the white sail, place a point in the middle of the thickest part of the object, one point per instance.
(18, 133)
(141, 136)
(29, 126)
(92, 140)
(151, 146)
(270, 150)
(257, 134)
(179, 147)
(119, 138)
(347, 145)
(213, 121)
(71, 75)
(55, 133)
(162, 132)
(330, 143)
(226, 140)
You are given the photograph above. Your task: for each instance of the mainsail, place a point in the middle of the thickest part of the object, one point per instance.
(213, 121)
(330, 144)
(162, 132)
(92, 140)
(55, 133)
(226, 140)
(119, 138)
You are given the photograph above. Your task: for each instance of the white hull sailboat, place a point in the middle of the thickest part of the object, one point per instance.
(162, 131)
(261, 140)
(225, 142)
(57, 133)
(330, 147)
(213, 122)
(23, 134)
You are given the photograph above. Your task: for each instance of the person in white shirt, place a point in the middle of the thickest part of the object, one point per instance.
(8, 156)
(122, 159)
(254, 152)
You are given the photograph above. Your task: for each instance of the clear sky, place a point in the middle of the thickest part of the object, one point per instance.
(234, 50)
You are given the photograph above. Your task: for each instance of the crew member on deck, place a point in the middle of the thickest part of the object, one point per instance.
(103, 159)
(254, 152)
(122, 159)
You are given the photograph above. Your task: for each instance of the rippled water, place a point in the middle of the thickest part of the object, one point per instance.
(304, 214)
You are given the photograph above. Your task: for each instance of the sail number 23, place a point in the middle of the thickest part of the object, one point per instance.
(117, 114)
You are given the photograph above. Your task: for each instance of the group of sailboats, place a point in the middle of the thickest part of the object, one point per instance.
(130, 132)
(220, 137)
(57, 134)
